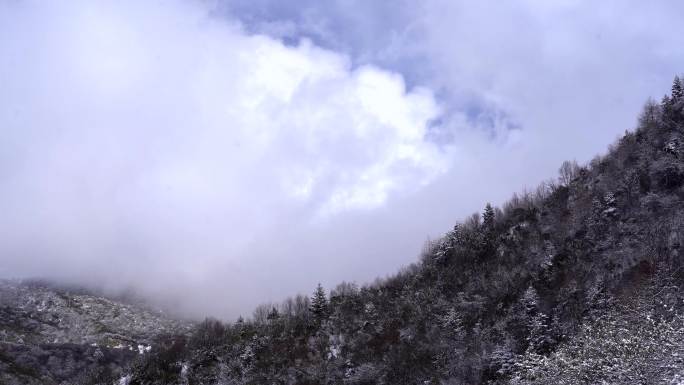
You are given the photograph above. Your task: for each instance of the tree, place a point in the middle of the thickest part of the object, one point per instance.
(488, 234)
(319, 304)
(530, 301)
(540, 336)
(567, 172)
(503, 360)
(650, 115)
(273, 314)
(488, 217)
(677, 89)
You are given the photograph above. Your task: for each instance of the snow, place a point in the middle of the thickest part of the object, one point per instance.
(334, 352)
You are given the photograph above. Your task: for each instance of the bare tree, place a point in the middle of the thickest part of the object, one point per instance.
(567, 172)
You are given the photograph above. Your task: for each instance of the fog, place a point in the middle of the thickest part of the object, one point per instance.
(212, 156)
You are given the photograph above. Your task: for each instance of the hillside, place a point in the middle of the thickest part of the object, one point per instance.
(49, 334)
(578, 282)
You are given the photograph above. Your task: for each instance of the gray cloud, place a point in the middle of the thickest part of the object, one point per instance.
(212, 159)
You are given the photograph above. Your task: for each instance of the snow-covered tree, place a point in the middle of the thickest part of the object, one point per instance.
(677, 89)
(530, 301)
(503, 360)
(488, 217)
(625, 345)
(319, 304)
(540, 336)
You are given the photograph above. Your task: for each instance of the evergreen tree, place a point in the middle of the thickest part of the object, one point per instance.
(540, 336)
(677, 89)
(488, 233)
(668, 107)
(319, 304)
(503, 360)
(448, 244)
(488, 217)
(530, 301)
(455, 235)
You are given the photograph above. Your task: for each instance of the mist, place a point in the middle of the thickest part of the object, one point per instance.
(212, 161)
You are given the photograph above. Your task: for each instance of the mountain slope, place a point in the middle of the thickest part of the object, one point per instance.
(50, 334)
(579, 282)
(516, 295)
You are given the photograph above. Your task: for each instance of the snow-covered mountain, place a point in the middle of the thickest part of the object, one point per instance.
(51, 334)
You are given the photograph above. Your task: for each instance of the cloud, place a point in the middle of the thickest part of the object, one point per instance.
(529, 83)
(572, 74)
(153, 145)
(505, 57)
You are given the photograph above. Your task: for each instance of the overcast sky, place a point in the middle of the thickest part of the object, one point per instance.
(215, 155)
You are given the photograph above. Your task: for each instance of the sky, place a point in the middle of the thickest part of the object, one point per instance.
(215, 155)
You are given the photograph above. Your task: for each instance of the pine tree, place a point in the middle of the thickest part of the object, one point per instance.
(448, 243)
(488, 231)
(240, 326)
(319, 304)
(503, 360)
(488, 217)
(677, 89)
(668, 106)
(540, 336)
(455, 235)
(530, 301)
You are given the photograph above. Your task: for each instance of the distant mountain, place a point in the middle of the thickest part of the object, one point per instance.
(578, 282)
(51, 334)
